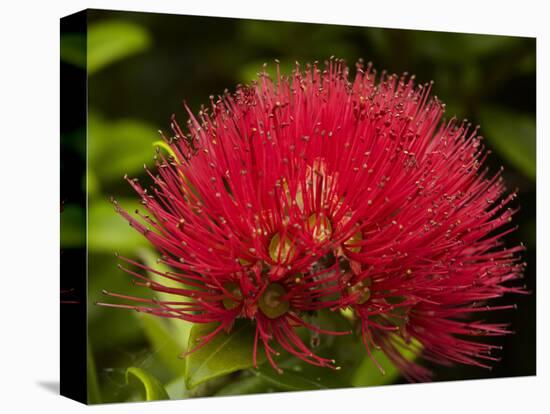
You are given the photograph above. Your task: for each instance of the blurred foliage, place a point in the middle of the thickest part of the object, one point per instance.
(111, 233)
(165, 340)
(225, 353)
(150, 387)
(94, 395)
(142, 66)
(512, 135)
(112, 40)
(105, 159)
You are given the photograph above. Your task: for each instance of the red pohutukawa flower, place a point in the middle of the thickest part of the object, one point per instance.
(318, 191)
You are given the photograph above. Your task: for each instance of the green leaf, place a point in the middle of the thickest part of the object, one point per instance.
(118, 147)
(225, 353)
(346, 350)
(513, 136)
(176, 389)
(73, 49)
(94, 395)
(113, 40)
(290, 381)
(247, 385)
(368, 374)
(355, 366)
(163, 343)
(165, 147)
(150, 387)
(108, 232)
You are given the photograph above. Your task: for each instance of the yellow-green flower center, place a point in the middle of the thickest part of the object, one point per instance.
(271, 303)
(362, 290)
(235, 290)
(321, 227)
(281, 251)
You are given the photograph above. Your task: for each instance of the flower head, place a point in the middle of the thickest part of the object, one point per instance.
(321, 191)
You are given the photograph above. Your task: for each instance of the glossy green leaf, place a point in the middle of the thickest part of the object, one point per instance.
(108, 232)
(254, 384)
(163, 343)
(225, 353)
(151, 389)
(368, 374)
(513, 136)
(355, 368)
(113, 40)
(346, 350)
(294, 381)
(176, 388)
